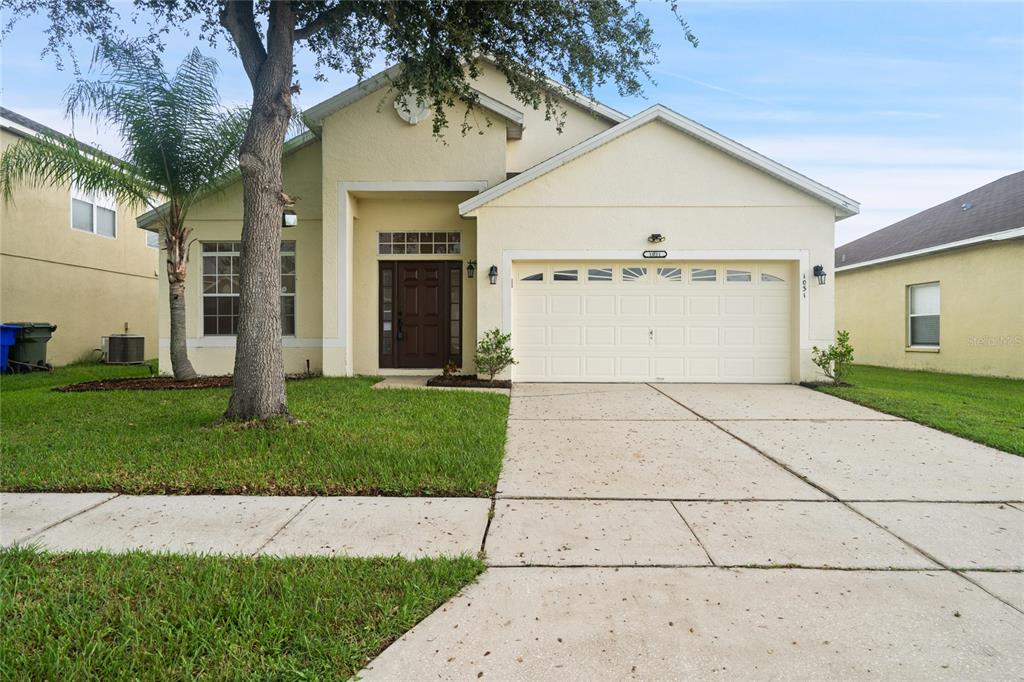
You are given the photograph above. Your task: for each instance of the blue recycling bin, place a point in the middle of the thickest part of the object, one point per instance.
(8, 335)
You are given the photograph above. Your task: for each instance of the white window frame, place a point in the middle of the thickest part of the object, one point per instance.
(94, 200)
(203, 295)
(911, 315)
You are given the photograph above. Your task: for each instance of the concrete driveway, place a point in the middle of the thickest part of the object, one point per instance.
(692, 531)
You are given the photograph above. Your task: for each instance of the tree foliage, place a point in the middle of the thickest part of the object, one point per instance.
(582, 45)
(438, 45)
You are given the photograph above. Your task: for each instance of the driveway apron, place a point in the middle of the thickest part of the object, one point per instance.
(648, 531)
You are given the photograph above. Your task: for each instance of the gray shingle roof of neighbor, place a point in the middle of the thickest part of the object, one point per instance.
(995, 207)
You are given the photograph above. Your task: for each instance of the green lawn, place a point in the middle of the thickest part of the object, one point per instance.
(144, 616)
(352, 439)
(988, 410)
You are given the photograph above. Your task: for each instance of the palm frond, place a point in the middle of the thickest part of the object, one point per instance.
(49, 161)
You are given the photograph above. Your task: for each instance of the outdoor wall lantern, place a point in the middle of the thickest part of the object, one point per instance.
(289, 219)
(492, 274)
(470, 269)
(819, 272)
(656, 238)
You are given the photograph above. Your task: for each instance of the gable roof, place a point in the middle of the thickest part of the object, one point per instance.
(319, 112)
(844, 206)
(992, 211)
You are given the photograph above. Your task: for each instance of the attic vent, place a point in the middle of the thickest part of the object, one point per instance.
(966, 206)
(842, 258)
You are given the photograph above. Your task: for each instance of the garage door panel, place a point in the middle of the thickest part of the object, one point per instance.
(565, 305)
(738, 305)
(634, 305)
(565, 336)
(600, 368)
(599, 305)
(653, 322)
(703, 336)
(634, 336)
(738, 336)
(773, 305)
(599, 336)
(568, 367)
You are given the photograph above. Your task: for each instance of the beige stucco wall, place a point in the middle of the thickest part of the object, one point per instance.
(219, 218)
(368, 142)
(657, 179)
(88, 285)
(541, 139)
(981, 292)
(412, 213)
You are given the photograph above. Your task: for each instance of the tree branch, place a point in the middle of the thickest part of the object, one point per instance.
(238, 17)
(323, 19)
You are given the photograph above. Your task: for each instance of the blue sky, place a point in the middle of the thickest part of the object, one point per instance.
(898, 105)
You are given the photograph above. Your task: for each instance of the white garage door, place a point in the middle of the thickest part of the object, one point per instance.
(653, 321)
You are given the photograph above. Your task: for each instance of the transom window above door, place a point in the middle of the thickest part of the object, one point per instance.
(417, 243)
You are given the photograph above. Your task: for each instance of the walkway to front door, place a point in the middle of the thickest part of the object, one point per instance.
(695, 531)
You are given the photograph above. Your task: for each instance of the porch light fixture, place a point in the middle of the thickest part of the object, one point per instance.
(492, 274)
(819, 272)
(656, 238)
(470, 269)
(289, 219)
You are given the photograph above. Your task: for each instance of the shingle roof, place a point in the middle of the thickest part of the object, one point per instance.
(995, 207)
(25, 122)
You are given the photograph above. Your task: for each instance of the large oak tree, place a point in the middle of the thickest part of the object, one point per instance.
(438, 43)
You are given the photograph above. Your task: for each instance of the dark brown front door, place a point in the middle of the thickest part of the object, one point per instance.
(416, 312)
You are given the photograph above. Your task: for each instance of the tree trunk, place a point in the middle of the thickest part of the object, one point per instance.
(176, 242)
(259, 387)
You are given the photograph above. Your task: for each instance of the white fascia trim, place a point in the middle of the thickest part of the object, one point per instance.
(319, 112)
(146, 220)
(845, 206)
(801, 256)
(500, 108)
(17, 127)
(981, 239)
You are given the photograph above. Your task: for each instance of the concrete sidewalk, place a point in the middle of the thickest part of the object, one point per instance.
(241, 525)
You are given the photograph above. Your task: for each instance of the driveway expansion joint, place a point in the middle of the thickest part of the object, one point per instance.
(695, 536)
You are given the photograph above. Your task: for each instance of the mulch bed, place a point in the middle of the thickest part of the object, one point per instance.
(145, 384)
(467, 381)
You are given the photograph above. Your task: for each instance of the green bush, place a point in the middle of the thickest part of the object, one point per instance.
(494, 353)
(835, 360)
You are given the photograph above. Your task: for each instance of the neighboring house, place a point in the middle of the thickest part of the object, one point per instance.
(389, 269)
(74, 260)
(943, 289)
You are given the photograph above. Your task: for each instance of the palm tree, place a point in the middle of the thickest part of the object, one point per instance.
(181, 144)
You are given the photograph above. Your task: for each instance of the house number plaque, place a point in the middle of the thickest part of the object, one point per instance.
(655, 254)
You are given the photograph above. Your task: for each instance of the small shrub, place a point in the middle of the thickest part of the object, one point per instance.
(493, 353)
(835, 360)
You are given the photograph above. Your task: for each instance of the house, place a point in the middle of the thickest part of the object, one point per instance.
(626, 248)
(75, 260)
(943, 289)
